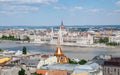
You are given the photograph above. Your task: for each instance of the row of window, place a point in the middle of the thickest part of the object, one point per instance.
(111, 71)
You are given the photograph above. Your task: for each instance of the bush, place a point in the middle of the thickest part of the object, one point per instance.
(72, 62)
(37, 74)
(82, 62)
(112, 44)
(21, 72)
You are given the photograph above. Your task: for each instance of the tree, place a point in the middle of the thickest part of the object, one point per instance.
(112, 44)
(72, 62)
(4, 37)
(24, 50)
(10, 37)
(26, 38)
(21, 72)
(82, 62)
(1, 50)
(103, 40)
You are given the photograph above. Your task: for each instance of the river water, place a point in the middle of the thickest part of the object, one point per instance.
(71, 52)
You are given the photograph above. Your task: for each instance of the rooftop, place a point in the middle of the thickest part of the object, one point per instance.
(60, 66)
(113, 62)
(4, 60)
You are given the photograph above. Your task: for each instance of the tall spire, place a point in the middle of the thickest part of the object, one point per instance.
(61, 58)
(61, 22)
(58, 41)
(62, 25)
(58, 51)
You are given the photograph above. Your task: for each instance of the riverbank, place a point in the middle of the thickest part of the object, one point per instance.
(71, 52)
(13, 41)
(70, 45)
(82, 46)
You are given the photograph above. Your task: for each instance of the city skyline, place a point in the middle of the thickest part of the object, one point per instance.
(51, 12)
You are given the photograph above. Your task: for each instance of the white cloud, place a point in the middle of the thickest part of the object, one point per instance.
(57, 8)
(14, 9)
(118, 3)
(117, 11)
(19, 8)
(6, 0)
(94, 10)
(68, 8)
(30, 1)
(22, 5)
(78, 8)
(60, 8)
(114, 12)
(13, 12)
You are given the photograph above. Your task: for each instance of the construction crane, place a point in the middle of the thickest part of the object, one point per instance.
(109, 31)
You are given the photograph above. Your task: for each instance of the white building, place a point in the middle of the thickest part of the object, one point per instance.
(48, 61)
(9, 70)
(88, 69)
(115, 38)
(72, 38)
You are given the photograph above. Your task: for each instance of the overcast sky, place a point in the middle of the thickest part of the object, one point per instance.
(51, 12)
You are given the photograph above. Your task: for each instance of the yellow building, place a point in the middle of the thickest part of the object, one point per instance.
(4, 60)
(82, 73)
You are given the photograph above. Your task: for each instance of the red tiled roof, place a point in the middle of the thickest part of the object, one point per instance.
(38, 71)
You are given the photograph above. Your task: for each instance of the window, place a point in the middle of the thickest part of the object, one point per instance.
(108, 70)
(115, 70)
(105, 69)
(118, 71)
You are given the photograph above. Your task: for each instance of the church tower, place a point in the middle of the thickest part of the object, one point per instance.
(58, 51)
(62, 25)
(61, 58)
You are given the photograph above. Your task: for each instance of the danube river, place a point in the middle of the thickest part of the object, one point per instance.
(71, 52)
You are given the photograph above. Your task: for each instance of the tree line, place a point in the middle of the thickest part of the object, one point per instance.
(105, 40)
(11, 37)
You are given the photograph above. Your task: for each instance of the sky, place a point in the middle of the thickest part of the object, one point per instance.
(52, 12)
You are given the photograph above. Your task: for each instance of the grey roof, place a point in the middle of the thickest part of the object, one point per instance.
(60, 66)
(30, 62)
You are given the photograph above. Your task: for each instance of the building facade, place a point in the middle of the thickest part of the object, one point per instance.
(112, 67)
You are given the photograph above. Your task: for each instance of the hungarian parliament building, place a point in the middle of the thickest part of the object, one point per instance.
(70, 38)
